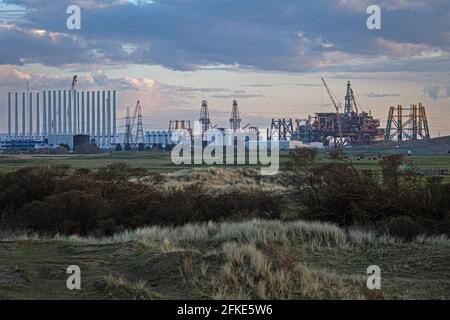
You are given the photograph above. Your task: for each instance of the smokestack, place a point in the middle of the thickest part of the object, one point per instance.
(93, 116)
(16, 128)
(82, 113)
(54, 123)
(109, 118)
(49, 113)
(74, 111)
(44, 114)
(103, 118)
(114, 117)
(65, 112)
(31, 116)
(38, 117)
(98, 118)
(24, 115)
(9, 115)
(69, 113)
(88, 113)
(78, 113)
(59, 113)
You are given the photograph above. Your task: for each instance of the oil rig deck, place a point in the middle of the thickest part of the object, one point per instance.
(351, 127)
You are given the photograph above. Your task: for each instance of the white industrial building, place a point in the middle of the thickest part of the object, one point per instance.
(63, 112)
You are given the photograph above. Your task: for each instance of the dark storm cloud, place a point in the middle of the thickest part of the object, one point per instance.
(282, 35)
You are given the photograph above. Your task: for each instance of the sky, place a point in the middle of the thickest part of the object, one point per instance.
(268, 54)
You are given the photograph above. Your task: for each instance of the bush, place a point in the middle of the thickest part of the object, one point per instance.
(72, 212)
(337, 192)
(115, 198)
(402, 227)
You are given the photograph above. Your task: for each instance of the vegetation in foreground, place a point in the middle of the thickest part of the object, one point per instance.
(245, 260)
(196, 235)
(115, 198)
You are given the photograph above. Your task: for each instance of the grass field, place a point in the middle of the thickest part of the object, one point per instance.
(255, 259)
(159, 161)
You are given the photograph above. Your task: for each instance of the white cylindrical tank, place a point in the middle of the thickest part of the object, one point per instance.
(158, 137)
(165, 138)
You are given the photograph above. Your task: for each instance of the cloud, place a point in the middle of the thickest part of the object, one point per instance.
(30, 45)
(10, 76)
(391, 5)
(237, 96)
(436, 92)
(256, 34)
(382, 95)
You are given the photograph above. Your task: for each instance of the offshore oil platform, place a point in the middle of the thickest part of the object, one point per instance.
(352, 127)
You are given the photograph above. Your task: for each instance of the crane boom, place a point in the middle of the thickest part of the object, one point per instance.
(337, 105)
(333, 98)
(355, 102)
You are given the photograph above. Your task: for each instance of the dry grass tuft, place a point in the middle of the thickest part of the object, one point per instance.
(220, 180)
(251, 273)
(118, 288)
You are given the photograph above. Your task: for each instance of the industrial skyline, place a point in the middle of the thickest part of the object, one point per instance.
(271, 62)
(63, 112)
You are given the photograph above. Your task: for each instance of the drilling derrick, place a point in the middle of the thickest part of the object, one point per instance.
(351, 107)
(235, 120)
(128, 133)
(204, 117)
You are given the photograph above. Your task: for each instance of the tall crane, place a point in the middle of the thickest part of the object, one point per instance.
(337, 105)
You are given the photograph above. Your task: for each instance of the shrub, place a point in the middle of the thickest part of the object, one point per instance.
(402, 227)
(339, 193)
(72, 212)
(115, 198)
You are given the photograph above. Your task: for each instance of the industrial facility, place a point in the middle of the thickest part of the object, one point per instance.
(179, 130)
(353, 126)
(55, 117)
(70, 117)
(403, 126)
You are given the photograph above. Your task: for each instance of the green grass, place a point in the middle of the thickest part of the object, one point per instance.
(255, 259)
(159, 161)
